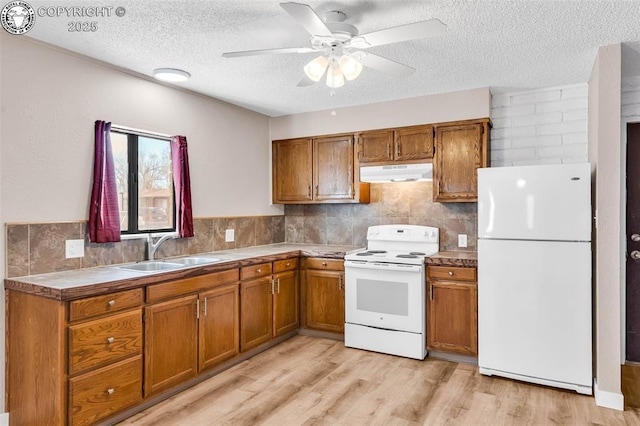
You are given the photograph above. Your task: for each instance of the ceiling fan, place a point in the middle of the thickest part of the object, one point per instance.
(341, 46)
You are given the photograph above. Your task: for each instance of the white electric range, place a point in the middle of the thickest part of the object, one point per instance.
(385, 290)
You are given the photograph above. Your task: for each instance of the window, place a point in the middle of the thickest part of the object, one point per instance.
(144, 182)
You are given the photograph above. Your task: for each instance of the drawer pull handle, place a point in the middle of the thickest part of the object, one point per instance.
(288, 264)
(110, 391)
(111, 339)
(450, 273)
(111, 302)
(324, 263)
(259, 270)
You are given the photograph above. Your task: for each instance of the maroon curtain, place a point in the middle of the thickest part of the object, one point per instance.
(104, 216)
(182, 184)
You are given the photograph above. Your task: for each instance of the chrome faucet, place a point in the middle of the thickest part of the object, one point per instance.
(152, 248)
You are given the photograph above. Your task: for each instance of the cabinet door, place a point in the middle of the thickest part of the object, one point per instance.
(256, 315)
(459, 153)
(333, 168)
(285, 303)
(219, 333)
(375, 146)
(292, 170)
(453, 317)
(324, 293)
(414, 143)
(170, 343)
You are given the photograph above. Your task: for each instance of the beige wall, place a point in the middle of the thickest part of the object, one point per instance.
(51, 100)
(438, 108)
(606, 158)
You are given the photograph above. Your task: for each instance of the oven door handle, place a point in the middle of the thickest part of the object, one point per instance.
(382, 266)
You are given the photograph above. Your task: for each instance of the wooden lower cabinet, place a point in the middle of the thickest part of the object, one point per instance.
(269, 304)
(452, 310)
(171, 343)
(324, 295)
(285, 303)
(256, 314)
(219, 331)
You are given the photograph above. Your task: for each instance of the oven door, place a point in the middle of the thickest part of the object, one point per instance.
(385, 295)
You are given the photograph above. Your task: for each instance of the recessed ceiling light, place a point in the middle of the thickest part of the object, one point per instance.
(171, 75)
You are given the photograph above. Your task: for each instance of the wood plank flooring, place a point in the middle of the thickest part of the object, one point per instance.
(309, 381)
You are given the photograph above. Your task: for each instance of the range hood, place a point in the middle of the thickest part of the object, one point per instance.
(397, 173)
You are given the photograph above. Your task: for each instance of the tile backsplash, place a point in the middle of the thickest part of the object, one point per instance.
(38, 248)
(391, 203)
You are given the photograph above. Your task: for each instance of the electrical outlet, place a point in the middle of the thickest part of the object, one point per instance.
(74, 248)
(462, 240)
(229, 235)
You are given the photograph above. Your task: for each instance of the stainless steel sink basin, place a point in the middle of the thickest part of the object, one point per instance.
(152, 266)
(191, 261)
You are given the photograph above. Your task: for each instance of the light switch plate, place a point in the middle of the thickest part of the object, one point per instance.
(229, 235)
(462, 240)
(74, 248)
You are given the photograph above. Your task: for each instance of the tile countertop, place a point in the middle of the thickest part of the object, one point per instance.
(454, 258)
(75, 284)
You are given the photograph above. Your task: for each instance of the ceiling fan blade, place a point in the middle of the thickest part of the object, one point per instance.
(422, 29)
(268, 51)
(306, 81)
(386, 66)
(307, 18)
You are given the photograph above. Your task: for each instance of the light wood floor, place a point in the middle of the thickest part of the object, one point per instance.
(308, 380)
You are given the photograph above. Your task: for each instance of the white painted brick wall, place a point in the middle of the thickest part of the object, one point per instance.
(545, 126)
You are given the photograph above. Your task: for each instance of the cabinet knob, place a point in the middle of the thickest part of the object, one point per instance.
(111, 339)
(324, 263)
(110, 391)
(450, 273)
(259, 270)
(111, 302)
(288, 264)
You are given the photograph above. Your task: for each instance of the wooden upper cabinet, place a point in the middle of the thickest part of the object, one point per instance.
(292, 170)
(333, 168)
(317, 170)
(460, 150)
(375, 146)
(413, 143)
(404, 144)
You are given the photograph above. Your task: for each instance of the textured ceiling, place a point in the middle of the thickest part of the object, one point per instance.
(505, 45)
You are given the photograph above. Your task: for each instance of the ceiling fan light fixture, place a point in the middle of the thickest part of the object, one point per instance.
(335, 78)
(171, 75)
(351, 68)
(316, 68)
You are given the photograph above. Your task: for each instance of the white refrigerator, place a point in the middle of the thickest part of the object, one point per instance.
(534, 274)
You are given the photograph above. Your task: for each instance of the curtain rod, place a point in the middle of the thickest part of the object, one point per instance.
(140, 132)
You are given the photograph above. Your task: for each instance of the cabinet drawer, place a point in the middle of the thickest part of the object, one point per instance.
(101, 393)
(106, 340)
(319, 263)
(451, 273)
(190, 285)
(285, 265)
(104, 304)
(255, 271)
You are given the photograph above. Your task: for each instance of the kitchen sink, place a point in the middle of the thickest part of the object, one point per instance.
(191, 261)
(152, 266)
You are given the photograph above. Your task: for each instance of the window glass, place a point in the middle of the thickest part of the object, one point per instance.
(155, 184)
(144, 182)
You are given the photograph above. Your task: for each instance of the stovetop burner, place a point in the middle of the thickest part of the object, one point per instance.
(417, 253)
(371, 252)
(407, 256)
